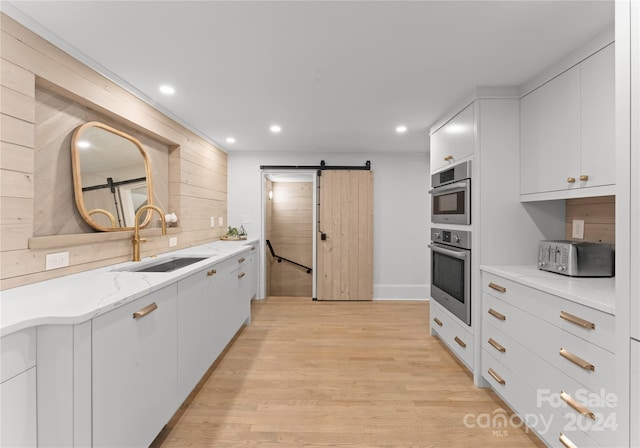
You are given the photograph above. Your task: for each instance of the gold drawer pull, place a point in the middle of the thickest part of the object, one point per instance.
(144, 311)
(460, 342)
(577, 360)
(577, 406)
(241, 260)
(497, 377)
(497, 346)
(497, 315)
(497, 287)
(584, 178)
(571, 180)
(436, 320)
(211, 272)
(577, 320)
(447, 158)
(566, 442)
(242, 274)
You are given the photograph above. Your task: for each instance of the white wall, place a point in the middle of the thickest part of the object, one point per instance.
(400, 211)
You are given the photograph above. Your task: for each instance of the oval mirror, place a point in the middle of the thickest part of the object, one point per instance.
(111, 177)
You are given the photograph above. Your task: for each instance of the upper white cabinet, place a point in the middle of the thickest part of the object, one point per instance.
(134, 378)
(454, 141)
(567, 132)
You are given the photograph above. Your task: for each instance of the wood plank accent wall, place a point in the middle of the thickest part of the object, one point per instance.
(292, 238)
(599, 215)
(196, 172)
(269, 225)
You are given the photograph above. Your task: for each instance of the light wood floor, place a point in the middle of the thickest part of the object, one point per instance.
(339, 374)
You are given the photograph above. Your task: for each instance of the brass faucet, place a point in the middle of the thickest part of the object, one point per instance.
(136, 230)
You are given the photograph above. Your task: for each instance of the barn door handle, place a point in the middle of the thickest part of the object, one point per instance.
(323, 236)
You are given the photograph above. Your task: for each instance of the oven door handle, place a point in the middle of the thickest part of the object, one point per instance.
(454, 186)
(452, 253)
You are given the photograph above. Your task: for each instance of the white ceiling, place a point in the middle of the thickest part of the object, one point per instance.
(338, 76)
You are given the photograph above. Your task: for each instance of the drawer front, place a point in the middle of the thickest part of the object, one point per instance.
(458, 338)
(545, 420)
(555, 389)
(18, 353)
(586, 323)
(590, 365)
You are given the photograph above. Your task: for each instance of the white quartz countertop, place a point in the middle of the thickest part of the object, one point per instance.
(76, 298)
(597, 293)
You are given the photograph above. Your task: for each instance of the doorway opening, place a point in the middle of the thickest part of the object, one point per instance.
(289, 232)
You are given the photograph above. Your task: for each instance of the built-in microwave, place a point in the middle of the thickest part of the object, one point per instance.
(451, 195)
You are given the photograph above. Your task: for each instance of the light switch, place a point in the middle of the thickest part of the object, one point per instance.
(220, 222)
(56, 261)
(578, 229)
(173, 241)
(213, 221)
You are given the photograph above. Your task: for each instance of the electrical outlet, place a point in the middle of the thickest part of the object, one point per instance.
(213, 221)
(577, 230)
(173, 241)
(57, 261)
(220, 222)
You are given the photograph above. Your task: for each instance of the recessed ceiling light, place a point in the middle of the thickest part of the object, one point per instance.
(167, 89)
(401, 129)
(275, 129)
(231, 140)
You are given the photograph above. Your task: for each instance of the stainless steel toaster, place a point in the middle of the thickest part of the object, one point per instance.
(576, 259)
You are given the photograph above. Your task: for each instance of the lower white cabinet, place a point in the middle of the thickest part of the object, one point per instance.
(635, 393)
(18, 390)
(134, 379)
(453, 332)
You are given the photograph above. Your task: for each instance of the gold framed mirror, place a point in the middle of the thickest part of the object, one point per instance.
(111, 177)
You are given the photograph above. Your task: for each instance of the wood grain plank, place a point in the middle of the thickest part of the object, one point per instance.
(19, 132)
(17, 78)
(16, 158)
(17, 104)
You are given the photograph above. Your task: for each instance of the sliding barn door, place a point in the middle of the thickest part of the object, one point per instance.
(345, 235)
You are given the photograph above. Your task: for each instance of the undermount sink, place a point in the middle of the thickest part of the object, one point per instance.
(163, 265)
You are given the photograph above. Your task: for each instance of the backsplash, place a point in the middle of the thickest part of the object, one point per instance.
(599, 216)
(192, 176)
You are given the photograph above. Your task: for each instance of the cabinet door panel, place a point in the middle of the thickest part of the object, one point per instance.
(454, 141)
(550, 135)
(635, 392)
(134, 371)
(598, 157)
(18, 401)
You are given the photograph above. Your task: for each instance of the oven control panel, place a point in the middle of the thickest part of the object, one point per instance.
(457, 238)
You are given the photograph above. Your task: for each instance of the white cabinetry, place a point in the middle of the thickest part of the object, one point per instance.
(454, 141)
(567, 132)
(135, 370)
(547, 356)
(453, 332)
(18, 390)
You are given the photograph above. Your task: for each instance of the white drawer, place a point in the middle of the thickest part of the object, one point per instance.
(549, 382)
(457, 336)
(591, 325)
(548, 341)
(546, 421)
(18, 351)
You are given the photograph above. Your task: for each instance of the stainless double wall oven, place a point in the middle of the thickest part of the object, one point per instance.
(451, 248)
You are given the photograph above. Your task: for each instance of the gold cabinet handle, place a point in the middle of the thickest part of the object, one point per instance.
(577, 406)
(496, 377)
(437, 321)
(496, 314)
(447, 158)
(460, 342)
(241, 260)
(242, 274)
(577, 360)
(577, 320)
(584, 178)
(497, 287)
(566, 442)
(571, 180)
(211, 272)
(497, 346)
(144, 311)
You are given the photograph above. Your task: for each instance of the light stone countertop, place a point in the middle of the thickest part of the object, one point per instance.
(597, 293)
(76, 298)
